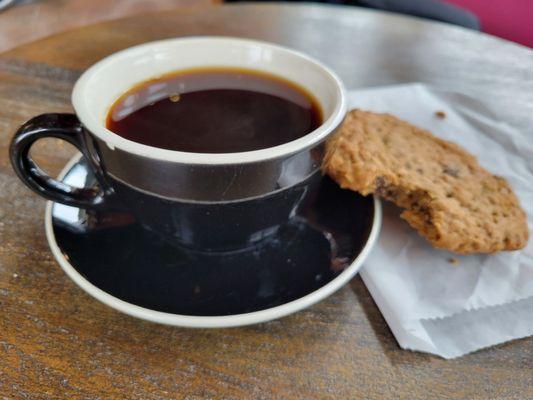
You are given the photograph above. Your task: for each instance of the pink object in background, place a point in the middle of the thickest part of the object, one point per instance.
(509, 19)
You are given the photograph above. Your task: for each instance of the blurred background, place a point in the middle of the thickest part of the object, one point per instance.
(23, 21)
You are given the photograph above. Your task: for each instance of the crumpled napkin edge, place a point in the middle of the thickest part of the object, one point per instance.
(425, 343)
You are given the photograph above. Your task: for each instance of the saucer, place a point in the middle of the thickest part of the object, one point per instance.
(115, 260)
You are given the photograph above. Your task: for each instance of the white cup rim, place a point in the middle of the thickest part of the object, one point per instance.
(97, 128)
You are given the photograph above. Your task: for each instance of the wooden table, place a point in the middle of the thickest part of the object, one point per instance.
(57, 342)
(54, 16)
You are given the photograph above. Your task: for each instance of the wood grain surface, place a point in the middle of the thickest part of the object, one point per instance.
(56, 342)
(54, 16)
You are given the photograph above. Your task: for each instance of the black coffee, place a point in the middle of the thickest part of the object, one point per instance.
(215, 110)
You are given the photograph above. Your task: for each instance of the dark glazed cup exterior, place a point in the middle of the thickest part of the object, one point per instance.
(218, 226)
(210, 202)
(272, 191)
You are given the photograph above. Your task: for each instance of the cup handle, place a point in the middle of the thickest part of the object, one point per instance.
(66, 127)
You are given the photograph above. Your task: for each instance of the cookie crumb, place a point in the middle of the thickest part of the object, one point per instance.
(453, 260)
(440, 114)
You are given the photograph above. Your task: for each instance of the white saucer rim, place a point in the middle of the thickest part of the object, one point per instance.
(209, 321)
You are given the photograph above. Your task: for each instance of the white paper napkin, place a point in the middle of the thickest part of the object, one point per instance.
(431, 302)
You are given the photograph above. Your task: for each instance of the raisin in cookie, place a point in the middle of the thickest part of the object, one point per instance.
(446, 195)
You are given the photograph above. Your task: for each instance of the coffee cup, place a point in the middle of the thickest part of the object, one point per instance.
(208, 202)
